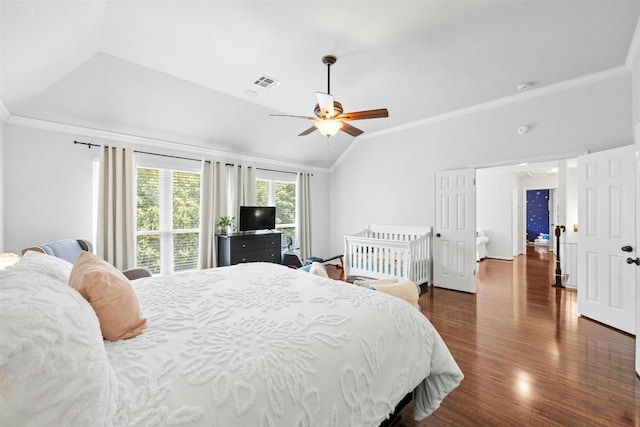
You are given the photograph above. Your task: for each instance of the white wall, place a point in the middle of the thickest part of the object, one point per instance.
(2, 161)
(50, 196)
(48, 191)
(494, 211)
(390, 178)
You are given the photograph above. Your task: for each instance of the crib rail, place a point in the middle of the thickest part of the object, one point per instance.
(390, 252)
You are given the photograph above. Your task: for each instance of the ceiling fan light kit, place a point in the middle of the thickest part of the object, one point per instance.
(329, 117)
(328, 127)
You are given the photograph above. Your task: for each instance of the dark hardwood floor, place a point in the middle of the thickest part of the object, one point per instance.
(527, 357)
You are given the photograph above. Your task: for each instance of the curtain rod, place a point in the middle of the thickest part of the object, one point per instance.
(274, 170)
(89, 144)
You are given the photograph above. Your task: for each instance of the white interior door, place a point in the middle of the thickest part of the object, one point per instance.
(606, 219)
(637, 251)
(454, 242)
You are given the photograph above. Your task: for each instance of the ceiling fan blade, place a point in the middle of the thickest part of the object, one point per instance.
(367, 114)
(325, 101)
(291, 115)
(351, 130)
(308, 131)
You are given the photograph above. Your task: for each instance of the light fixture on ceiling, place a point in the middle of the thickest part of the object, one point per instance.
(523, 129)
(328, 127)
(523, 86)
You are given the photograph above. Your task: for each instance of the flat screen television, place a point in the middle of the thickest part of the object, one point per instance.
(257, 218)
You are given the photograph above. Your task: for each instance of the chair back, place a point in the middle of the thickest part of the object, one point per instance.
(67, 249)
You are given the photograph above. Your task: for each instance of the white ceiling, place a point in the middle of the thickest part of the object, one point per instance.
(178, 70)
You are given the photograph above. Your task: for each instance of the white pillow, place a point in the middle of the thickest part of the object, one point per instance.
(53, 363)
(48, 265)
(318, 269)
(373, 282)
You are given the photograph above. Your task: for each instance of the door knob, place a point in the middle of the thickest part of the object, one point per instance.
(438, 234)
(633, 261)
(626, 248)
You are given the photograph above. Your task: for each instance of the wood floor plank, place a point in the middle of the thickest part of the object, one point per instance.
(528, 358)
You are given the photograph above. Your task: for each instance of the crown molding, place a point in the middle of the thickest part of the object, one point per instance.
(633, 55)
(192, 147)
(501, 102)
(512, 99)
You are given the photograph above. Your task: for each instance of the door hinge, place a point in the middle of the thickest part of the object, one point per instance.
(474, 271)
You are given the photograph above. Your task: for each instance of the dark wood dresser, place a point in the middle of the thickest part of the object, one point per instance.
(249, 247)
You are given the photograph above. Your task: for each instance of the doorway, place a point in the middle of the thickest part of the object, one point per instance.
(502, 205)
(538, 217)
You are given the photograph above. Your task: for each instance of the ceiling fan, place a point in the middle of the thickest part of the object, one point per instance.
(329, 117)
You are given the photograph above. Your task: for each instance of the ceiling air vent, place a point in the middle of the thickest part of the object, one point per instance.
(266, 82)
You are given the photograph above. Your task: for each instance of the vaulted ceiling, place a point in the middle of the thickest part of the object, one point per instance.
(184, 71)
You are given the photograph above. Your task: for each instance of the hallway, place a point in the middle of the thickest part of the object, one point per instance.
(528, 358)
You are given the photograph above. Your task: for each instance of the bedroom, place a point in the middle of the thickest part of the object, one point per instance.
(592, 104)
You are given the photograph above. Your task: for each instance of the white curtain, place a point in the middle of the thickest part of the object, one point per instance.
(242, 185)
(213, 205)
(303, 213)
(115, 241)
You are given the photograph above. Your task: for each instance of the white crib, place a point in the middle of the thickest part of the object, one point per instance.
(389, 251)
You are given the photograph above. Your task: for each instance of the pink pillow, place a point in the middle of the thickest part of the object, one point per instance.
(111, 296)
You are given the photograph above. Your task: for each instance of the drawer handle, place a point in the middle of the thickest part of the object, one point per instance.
(272, 255)
(244, 246)
(244, 259)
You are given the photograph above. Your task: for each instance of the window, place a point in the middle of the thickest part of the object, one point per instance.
(168, 219)
(282, 195)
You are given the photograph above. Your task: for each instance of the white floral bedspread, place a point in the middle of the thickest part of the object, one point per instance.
(264, 345)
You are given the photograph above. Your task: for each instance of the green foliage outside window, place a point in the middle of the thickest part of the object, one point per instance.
(148, 199)
(148, 252)
(148, 219)
(184, 213)
(282, 195)
(285, 203)
(186, 200)
(262, 193)
(185, 251)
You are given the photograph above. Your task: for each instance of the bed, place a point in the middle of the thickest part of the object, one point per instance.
(254, 344)
(389, 251)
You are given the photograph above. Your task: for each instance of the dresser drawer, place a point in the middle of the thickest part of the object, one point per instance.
(253, 243)
(255, 256)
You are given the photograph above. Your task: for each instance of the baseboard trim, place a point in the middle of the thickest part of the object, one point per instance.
(501, 258)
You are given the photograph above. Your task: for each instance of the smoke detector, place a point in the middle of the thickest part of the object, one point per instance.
(524, 86)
